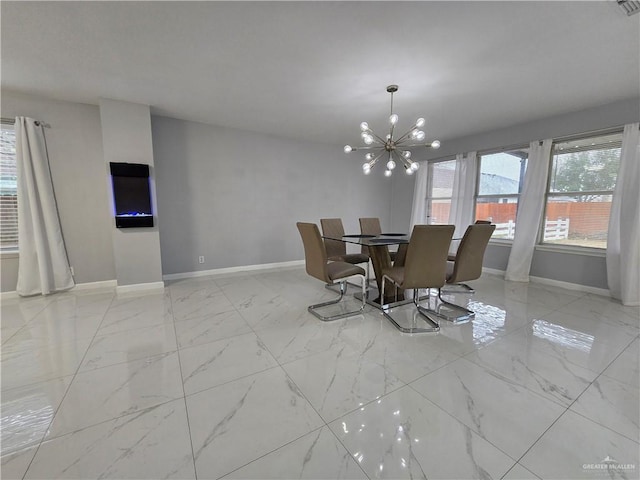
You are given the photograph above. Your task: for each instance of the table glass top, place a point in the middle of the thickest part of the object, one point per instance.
(373, 240)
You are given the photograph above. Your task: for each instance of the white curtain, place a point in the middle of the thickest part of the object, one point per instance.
(464, 188)
(419, 208)
(43, 266)
(623, 239)
(530, 209)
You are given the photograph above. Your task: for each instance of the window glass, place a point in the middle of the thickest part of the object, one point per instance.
(500, 180)
(8, 190)
(581, 182)
(440, 192)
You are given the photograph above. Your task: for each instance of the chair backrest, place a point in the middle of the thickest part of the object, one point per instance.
(315, 256)
(332, 227)
(369, 226)
(483, 222)
(468, 262)
(425, 265)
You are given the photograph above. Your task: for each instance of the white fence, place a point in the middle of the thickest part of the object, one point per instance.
(553, 229)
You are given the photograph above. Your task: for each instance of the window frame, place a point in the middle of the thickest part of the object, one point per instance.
(477, 195)
(571, 248)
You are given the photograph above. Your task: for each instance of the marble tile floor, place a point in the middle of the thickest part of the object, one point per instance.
(231, 377)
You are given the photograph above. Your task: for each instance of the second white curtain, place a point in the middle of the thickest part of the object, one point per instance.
(623, 239)
(43, 267)
(530, 209)
(419, 208)
(464, 188)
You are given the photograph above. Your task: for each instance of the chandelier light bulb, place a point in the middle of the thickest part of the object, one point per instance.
(366, 167)
(414, 133)
(364, 126)
(420, 122)
(435, 144)
(347, 149)
(393, 119)
(391, 164)
(409, 171)
(415, 166)
(387, 173)
(420, 135)
(368, 139)
(369, 156)
(406, 154)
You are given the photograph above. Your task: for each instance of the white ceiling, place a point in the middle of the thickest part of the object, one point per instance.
(315, 70)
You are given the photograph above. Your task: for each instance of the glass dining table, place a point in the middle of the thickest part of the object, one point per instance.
(379, 253)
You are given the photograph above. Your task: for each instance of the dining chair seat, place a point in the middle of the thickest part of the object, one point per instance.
(353, 258)
(338, 270)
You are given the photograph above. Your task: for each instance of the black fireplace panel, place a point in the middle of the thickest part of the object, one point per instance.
(132, 195)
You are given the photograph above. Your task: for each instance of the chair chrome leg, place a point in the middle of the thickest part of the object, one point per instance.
(464, 318)
(467, 288)
(343, 288)
(433, 326)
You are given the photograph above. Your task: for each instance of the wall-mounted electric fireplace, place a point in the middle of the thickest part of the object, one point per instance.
(131, 194)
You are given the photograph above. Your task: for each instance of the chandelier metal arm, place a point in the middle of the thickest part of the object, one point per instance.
(406, 135)
(367, 147)
(380, 139)
(376, 158)
(403, 160)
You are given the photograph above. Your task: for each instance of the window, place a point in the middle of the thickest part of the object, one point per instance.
(8, 190)
(581, 182)
(440, 191)
(500, 180)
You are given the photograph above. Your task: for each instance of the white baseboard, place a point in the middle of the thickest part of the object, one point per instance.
(226, 271)
(8, 295)
(106, 284)
(555, 283)
(140, 287)
(103, 285)
(493, 271)
(571, 286)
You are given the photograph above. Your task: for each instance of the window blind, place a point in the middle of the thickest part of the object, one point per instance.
(8, 190)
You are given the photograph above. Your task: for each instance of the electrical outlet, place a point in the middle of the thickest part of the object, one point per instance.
(201, 259)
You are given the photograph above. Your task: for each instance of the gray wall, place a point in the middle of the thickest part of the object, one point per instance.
(74, 142)
(126, 133)
(568, 267)
(235, 197)
(229, 195)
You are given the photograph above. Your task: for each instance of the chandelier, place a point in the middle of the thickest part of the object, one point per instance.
(391, 148)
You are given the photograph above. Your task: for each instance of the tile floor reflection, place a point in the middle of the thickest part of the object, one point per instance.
(231, 377)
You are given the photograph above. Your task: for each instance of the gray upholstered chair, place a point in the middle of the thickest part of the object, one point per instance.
(425, 267)
(371, 226)
(337, 251)
(467, 263)
(318, 266)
